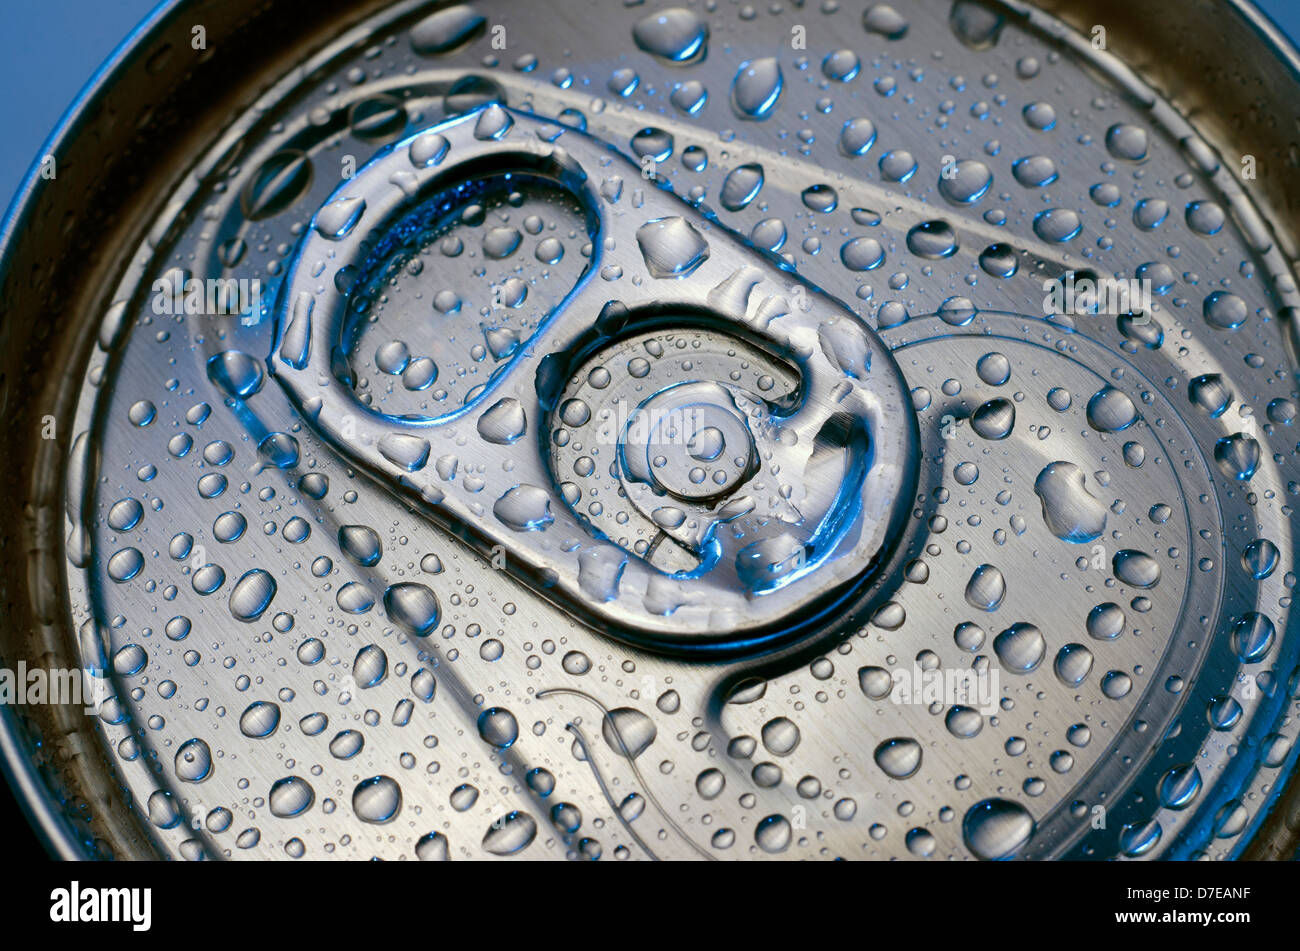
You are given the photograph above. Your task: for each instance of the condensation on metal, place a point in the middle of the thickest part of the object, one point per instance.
(1101, 529)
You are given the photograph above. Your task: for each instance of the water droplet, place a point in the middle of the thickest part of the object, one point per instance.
(993, 368)
(820, 198)
(986, 588)
(964, 722)
(236, 373)
(125, 565)
(994, 419)
(862, 254)
(193, 761)
(897, 165)
(259, 719)
(1057, 225)
(276, 185)
(932, 240)
(780, 736)
(498, 727)
(675, 34)
(857, 136)
(996, 829)
(884, 20)
(1224, 310)
(999, 260)
(1136, 568)
(756, 88)
(1237, 456)
(672, 248)
(1127, 142)
(628, 731)
(503, 422)
(446, 30)
(1111, 410)
(841, 65)
(413, 607)
(252, 595)
(1252, 636)
(404, 450)
(1260, 558)
(965, 181)
(524, 508)
(336, 220)
(1034, 171)
(510, 833)
(899, 758)
(361, 545)
(773, 834)
(1073, 664)
(428, 149)
(1205, 217)
(377, 800)
(370, 667)
(741, 186)
(1020, 648)
(1179, 787)
(1070, 511)
(290, 796)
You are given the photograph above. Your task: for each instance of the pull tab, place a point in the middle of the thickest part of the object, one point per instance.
(730, 510)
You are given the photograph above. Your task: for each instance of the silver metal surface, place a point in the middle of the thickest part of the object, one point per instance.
(820, 486)
(320, 649)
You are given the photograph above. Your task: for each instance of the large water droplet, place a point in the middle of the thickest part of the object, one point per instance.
(965, 181)
(512, 832)
(986, 588)
(741, 186)
(1020, 648)
(862, 254)
(1127, 142)
(1136, 568)
(1070, 511)
(280, 181)
(994, 419)
(524, 508)
(259, 719)
(237, 374)
(377, 800)
(671, 247)
(1237, 456)
(857, 136)
(413, 607)
(252, 595)
(444, 31)
(675, 34)
(193, 761)
(361, 545)
(628, 731)
(932, 240)
(290, 796)
(899, 758)
(1111, 410)
(498, 727)
(996, 829)
(884, 20)
(503, 422)
(756, 88)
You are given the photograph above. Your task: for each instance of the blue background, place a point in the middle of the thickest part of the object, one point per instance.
(48, 49)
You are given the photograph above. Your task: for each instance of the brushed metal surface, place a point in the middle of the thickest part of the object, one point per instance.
(782, 754)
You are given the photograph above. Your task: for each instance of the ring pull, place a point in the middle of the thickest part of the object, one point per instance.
(750, 445)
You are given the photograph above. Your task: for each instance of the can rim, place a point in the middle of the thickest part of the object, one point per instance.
(33, 794)
(1270, 32)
